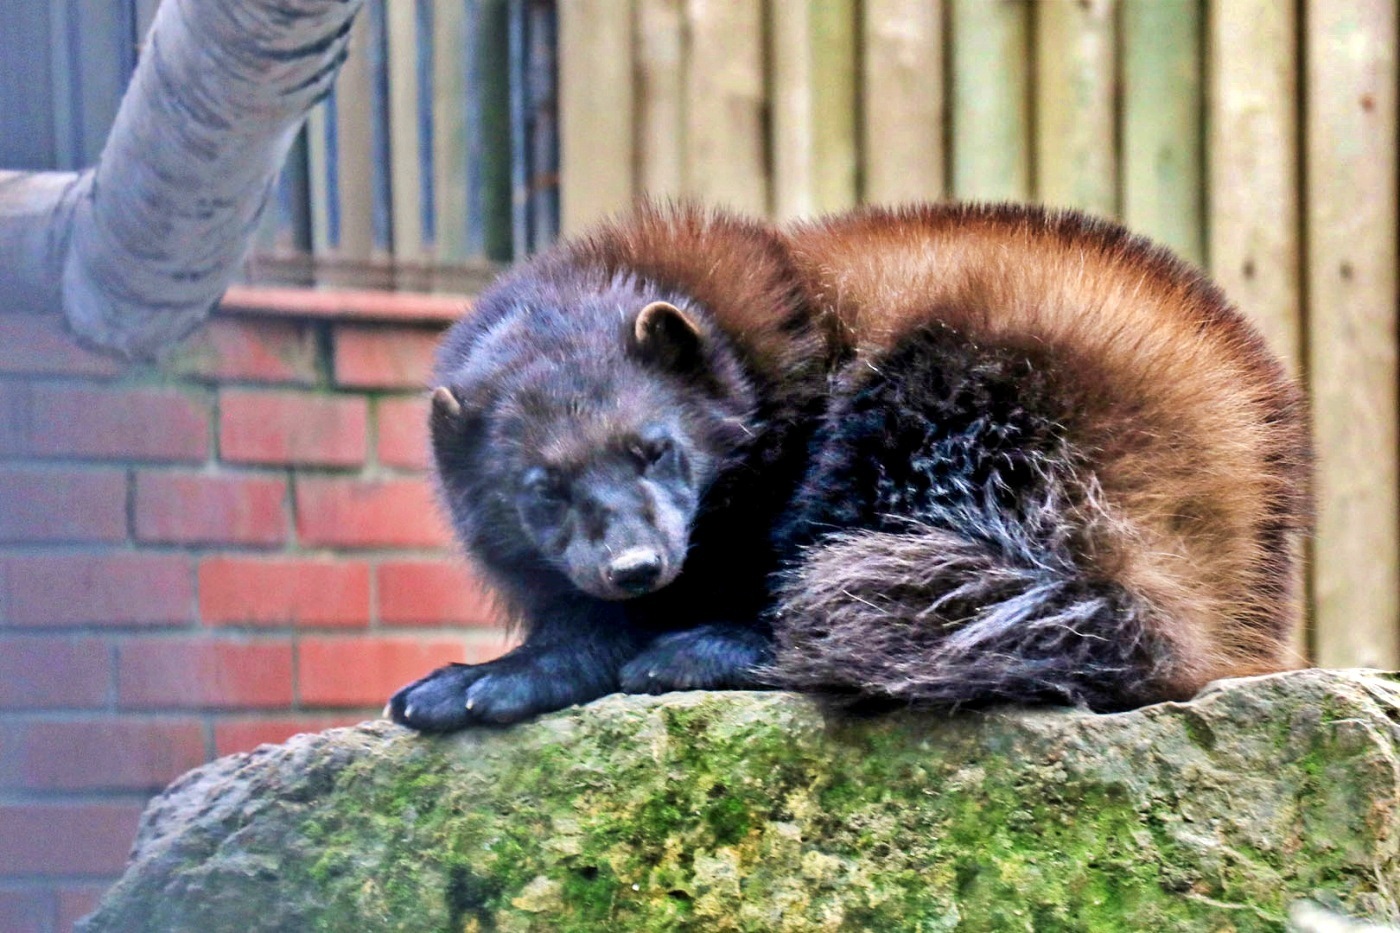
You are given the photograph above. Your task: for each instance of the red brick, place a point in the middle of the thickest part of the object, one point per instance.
(187, 508)
(76, 901)
(98, 754)
(27, 910)
(243, 735)
(38, 344)
(366, 671)
(425, 592)
(274, 591)
(351, 513)
(104, 423)
(403, 433)
(292, 427)
(66, 839)
(119, 588)
(62, 505)
(238, 350)
(53, 673)
(189, 673)
(384, 357)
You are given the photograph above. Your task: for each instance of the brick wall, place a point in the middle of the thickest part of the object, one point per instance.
(199, 557)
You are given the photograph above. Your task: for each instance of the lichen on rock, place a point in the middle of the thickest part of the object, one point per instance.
(762, 811)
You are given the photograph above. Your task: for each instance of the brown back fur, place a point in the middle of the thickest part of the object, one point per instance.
(1194, 438)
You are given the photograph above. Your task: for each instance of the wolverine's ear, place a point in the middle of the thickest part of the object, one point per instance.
(666, 333)
(446, 404)
(451, 420)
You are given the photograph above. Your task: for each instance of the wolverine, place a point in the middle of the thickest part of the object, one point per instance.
(941, 455)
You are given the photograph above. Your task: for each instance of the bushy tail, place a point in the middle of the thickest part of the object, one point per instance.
(933, 616)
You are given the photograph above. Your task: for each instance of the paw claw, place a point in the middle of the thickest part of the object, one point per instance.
(470, 702)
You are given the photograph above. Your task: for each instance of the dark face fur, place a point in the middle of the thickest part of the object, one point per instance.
(616, 519)
(597, 446)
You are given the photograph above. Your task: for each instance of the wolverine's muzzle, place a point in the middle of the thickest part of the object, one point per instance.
(636, 570)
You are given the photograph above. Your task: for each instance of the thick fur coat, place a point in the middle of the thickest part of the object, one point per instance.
(945, 454)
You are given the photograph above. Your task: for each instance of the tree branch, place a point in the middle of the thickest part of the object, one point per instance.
(137, 250)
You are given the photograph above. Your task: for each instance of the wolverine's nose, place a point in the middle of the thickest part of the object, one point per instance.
(635, 570)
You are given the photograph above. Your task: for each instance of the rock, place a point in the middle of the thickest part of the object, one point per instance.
(758, 811)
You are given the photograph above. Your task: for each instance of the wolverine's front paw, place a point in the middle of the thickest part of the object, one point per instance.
(711, 657)
(461, 695)
(436, 703)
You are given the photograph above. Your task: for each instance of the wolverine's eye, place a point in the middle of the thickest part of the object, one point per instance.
(647, 453)
(544, 485)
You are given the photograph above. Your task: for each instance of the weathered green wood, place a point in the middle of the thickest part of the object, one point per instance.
(597, 149)
(354, 146)
(1253, 157)
(902, 106)
(726, 158)
(661, 97)
(991, 142)
(1075, 158)
(1163, 118)
(489, 214)
(405, 144)
(450, 129)
(349, 164)
(813, 65)
(317, 168)
(1351, 236)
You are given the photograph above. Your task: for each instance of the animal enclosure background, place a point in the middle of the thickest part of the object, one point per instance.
(239, 543)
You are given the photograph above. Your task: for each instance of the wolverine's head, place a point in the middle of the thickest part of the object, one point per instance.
(595, 443)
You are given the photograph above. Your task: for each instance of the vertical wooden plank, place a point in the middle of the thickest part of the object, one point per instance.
(64, 91)
(1351, 236)
(726, 154)
(489, 213)
(519, 132)
(793, 142)
(991, 142)
(597, 153)
(103, 54)
(660, 99)
(1075, 158)
(450, 52)
(423, 111)
(318, 168)
(405, 153)
(902, 105)
(1163, 191)
(542, 87)
(295, 203)
(1253, 158)
(813, 62)
(350, 138)
(27, 141)
(381, 150)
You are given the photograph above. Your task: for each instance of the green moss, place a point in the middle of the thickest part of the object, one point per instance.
(734, 812)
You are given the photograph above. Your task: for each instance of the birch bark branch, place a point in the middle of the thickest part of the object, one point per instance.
(136, 250)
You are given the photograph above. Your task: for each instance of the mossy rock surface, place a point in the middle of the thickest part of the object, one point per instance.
(758, 811)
